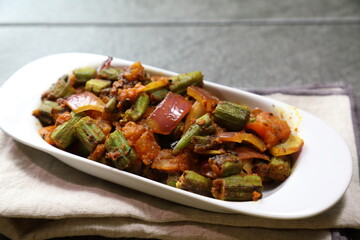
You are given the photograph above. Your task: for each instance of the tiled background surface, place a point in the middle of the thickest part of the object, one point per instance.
(244, 44)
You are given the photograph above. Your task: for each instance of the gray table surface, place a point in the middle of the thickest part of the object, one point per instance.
(244, 44)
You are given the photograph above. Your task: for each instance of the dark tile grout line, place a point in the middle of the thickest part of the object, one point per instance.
(195, 23)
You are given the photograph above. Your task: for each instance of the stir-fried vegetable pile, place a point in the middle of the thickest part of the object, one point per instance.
(168, 129)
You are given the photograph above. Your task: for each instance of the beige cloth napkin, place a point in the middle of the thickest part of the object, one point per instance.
(41, 198)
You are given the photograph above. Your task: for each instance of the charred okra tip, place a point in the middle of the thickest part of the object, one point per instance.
(203, 144)
(225, 164)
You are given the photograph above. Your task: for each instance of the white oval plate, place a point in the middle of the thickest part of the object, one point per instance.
(311, 188)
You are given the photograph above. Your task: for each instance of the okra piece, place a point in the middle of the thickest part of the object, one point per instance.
(152, 173)
(180, 82)
(139, 108)
(89, 133)
(111, 105)
(96, 85)
(204, 143)
(177, 132)
(157, 95)
(194, 182)
(279, 168)
(119, 150)
(261, 168)
(61, 89)
(63, 135)
(198, 128)
(45, 112)
(172, 180)
(225, 165)
(78, 148)
(47, 107)
(82, 75)
(231, 115)
(237, 188)
(109, 73)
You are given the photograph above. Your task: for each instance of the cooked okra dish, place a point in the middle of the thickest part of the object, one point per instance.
(168, 129)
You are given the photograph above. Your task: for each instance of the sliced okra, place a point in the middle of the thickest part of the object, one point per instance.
(63, 135)
(237, 188)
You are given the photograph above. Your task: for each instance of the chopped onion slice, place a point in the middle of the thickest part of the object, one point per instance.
(243, 136)
(168, 113)
(250, 153)
(207, 99)
(85, 101)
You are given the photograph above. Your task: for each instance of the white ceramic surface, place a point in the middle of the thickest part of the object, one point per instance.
(311, 188)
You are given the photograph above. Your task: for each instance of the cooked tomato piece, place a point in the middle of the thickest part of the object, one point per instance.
(98, 152)
(270, 128)
(136, 72)
(128, 94)
(132, 132)
(62, 118)
(146, 147)
(45, 133)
